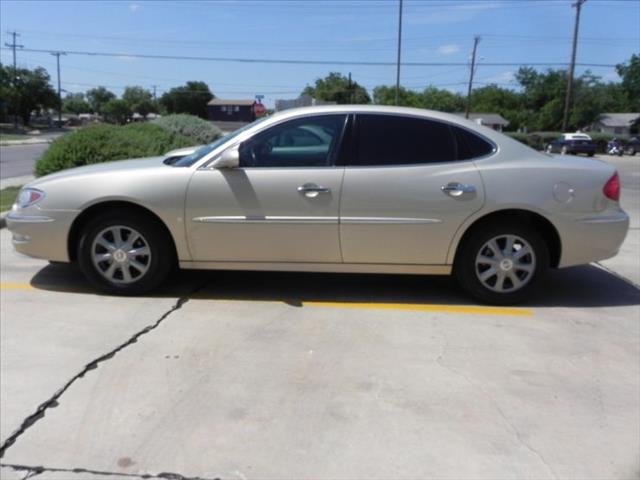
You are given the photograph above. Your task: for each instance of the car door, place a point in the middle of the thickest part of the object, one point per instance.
(409, 184)
(280, 205)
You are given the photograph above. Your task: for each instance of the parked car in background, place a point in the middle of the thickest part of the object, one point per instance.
(633, 146)
(332, 189)
(572, 143)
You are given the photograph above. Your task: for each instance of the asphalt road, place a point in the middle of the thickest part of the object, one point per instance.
(19, 160)
(283, 375)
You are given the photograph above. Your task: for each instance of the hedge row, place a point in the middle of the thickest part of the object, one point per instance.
(540, 140)
(105, 143)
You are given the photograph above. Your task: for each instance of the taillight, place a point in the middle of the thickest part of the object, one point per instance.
(611, 189)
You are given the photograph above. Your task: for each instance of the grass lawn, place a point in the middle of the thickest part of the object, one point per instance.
(7, 197)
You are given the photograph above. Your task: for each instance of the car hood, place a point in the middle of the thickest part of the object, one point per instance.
(105, 167)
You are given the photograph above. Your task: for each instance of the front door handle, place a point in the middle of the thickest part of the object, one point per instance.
(455, 189)
(311, 190)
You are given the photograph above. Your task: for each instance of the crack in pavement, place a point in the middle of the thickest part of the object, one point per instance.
(52, 402)
(37, 470)
(516, 432)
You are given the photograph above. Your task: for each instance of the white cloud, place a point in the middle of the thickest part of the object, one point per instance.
(134, 7)
(462, 12)
(449, 49)
(125, 58)
(504, 77)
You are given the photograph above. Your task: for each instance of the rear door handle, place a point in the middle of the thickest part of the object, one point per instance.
(311, 190)
(455, 189)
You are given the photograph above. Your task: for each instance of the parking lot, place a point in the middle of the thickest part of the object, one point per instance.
(294, 375)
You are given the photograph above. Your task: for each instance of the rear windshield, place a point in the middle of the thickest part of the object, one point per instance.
(203, 151)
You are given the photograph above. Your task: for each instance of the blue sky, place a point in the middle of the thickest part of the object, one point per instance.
(518, 31)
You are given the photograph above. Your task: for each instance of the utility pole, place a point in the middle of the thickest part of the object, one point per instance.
(350, 90)
(154, 92)
(57, 55)
(572, 67)
(476, 40)
(399, 52)
(13, 46)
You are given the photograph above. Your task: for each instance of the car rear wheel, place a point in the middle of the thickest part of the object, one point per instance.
(630, 151)
(501, 264)
(125, 254)
(564, 150)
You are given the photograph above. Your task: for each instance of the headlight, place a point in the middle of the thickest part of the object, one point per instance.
(29, 196)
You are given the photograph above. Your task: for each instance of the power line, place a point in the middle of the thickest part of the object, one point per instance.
(307, 62)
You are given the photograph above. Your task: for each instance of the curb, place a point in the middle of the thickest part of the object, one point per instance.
(31, 141)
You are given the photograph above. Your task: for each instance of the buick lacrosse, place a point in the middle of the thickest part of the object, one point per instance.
(331, 189)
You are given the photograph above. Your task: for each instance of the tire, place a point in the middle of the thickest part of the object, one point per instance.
(549, 149)
(528, 269)
(120, 272)
(591, 154)
(564, 150)
(630, 151)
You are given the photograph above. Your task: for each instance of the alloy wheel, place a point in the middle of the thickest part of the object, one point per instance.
(506, 263)
(121, 254)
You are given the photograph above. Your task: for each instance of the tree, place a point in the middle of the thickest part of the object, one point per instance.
(117, 111)
(98, 97)
(630, 75)
(386, 95)
(442, 100)
(139, 100)
(75, 103)
(26, 91)
(192, 98)
(335, 87)
(495, 99)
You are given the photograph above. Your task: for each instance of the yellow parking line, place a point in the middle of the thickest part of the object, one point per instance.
(419, 307)
(15, 286)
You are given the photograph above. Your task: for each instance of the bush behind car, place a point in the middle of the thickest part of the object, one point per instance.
(190, 126)
(105, 143)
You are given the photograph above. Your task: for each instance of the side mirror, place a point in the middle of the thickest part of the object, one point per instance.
(230, 158)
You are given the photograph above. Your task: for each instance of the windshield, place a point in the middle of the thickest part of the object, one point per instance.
(203, 151)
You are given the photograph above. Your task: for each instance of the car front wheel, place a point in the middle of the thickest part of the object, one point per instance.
(500, 264)
(125, 254)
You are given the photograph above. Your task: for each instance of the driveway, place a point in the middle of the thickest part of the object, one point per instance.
(283, 375)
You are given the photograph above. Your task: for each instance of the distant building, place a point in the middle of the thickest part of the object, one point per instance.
(231, 110)
(302, 101)
(494, 121)
(615, 123)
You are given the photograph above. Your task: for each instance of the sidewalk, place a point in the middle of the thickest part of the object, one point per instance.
(27, 141)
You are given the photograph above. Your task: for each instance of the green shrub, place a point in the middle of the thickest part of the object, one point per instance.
(196, 128)
(104, 143)
(522, 138)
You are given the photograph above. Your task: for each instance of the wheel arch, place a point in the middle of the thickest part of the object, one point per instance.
(98, 208)
(542, 225)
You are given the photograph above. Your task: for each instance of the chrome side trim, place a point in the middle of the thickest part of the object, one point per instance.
(389, 220)
(605, 219)
(267, 219)
(12, 217)
(288, 219)
(322, 267)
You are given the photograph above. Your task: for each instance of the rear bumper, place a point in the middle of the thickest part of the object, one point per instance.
(41, 234)
(594, 238)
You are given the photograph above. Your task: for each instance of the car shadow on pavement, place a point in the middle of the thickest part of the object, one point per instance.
(584, 286)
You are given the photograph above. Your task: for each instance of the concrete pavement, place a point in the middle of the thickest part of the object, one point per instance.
(281, 375)
(19, 160)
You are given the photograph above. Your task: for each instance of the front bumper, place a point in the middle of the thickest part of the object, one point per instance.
(41, 233)
(593, 238)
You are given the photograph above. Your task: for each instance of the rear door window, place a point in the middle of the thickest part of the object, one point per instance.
(400, 140)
